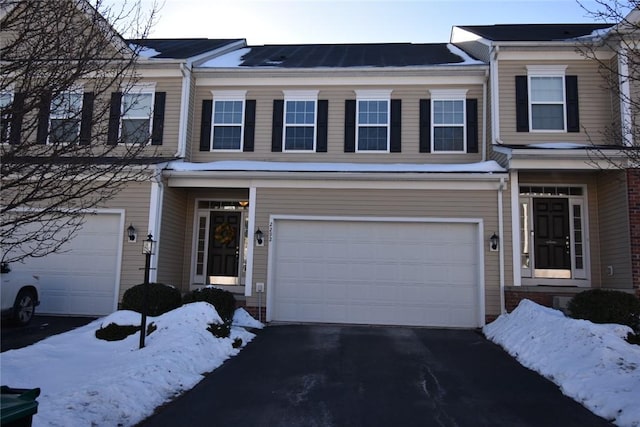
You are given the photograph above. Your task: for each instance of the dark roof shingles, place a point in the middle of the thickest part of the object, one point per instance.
(534, 32)
(182, 48)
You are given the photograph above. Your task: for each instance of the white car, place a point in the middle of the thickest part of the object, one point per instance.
(20, 295)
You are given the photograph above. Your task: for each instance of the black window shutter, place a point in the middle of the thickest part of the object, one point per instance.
(114, 118)
(522, 104)
(157, 128)
(43, 118)
(425, 125)
(87, 117)
(249, 124)
(17, 113)
(205, 126)
(322, 126)
(472, 125)
(573, 115)
(350, 126)
(276, 131)
(396, 126)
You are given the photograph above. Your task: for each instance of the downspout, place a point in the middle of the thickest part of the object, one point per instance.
(484, 117)
(495, 97)
(185, 69)
(625, 97)
(155, 218)
(501, 252)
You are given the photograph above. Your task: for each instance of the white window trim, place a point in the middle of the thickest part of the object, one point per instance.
(137, 89)
(300, 95)
(373, 95)
(449, 95)
(228, 95)
(547, 71)
(78, 90)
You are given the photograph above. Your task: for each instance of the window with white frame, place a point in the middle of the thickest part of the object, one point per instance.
(373, 120)
(137, 111)
(547, 103)
(227, 124)
(6, 98)
(448, 110)
(65, 117)
(300, 113)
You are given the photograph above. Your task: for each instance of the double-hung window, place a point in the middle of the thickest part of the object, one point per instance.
(373, 121)
(65, 117)
(448, 109)
(300, 112)
(547, 103)
(6, 98)
(137, 112)
(228, 120)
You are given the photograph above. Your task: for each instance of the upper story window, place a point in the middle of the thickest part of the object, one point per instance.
(300, 120)
(228, 120)
(137, 112)
(547, 100)
(449, 120)
(6, 98)
(373, 120)
(65, 117)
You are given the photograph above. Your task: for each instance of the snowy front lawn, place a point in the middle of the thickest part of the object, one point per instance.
(86, 381)
(591, 363)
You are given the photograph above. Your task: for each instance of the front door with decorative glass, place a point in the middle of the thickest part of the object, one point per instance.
(552, 234)
(224, 247)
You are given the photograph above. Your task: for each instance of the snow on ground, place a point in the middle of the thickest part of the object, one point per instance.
(86, 381)
(591, 363)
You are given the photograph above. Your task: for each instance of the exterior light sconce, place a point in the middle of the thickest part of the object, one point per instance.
(132, 233)
(147, 245)
(259, 237)
(494, 243)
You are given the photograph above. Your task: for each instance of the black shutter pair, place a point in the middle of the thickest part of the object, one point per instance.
(43, 118)
(522, 104)
(471, 125)
(395, 145)
(249, 125)
(157, 123)
(277, 128)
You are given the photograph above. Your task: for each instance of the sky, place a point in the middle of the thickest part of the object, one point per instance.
(350, 21)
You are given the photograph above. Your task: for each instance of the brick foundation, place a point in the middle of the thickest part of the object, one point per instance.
(633, 195)
(539, 295)
(253, 311)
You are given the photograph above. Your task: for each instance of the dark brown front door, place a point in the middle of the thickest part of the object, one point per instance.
(551, 231)
(224, 244)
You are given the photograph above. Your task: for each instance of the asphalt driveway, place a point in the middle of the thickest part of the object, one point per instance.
(13, 337)
(301, 375)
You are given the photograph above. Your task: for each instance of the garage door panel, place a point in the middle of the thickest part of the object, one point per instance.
(411, 273)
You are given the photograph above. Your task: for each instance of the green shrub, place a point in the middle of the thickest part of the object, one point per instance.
(237, 343)
(114, 332)
(160, 299)
(220, 330)
(223, 301)
(606, 306)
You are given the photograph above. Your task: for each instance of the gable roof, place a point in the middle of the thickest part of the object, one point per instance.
(534, 32)
(344, 55)
(179, 48)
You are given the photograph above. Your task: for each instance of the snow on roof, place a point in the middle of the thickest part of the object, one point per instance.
(229, 60)
(255, 166)
(466, 59)
(558, 145)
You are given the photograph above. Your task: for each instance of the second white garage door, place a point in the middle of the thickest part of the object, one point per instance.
(376, 272)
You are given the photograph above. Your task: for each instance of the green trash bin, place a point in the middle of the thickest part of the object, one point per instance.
(17, 406)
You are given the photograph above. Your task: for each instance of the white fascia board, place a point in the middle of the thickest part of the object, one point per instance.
(459, 35)
(159, 72)
(540, 159)
(485, 181)
(548, 55)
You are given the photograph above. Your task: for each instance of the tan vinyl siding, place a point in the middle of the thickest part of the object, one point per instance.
(595, 104)
(615, 242)
(172, 238)
(173, 88)
(382, 203)
(135, 200)
(336, 97)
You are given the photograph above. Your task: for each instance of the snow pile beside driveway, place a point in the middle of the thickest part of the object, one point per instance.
(86, 381)
(591, 363)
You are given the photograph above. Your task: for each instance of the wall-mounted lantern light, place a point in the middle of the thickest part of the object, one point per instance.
(259, 237)
(132, 234)
(494, 242)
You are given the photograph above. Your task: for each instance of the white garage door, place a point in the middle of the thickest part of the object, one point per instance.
(83, 279)
(394, 273)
